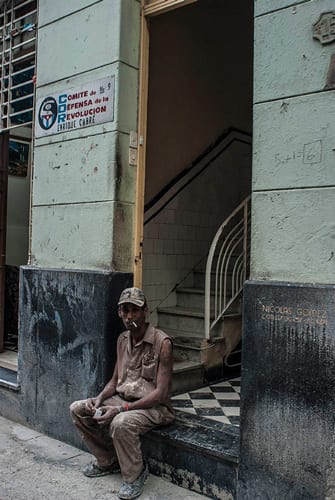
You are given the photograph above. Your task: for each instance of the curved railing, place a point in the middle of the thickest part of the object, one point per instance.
(227, 265)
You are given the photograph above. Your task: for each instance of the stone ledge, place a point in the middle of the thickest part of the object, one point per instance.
(196, 453)
(8, 379)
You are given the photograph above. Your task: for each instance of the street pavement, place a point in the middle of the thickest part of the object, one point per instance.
(36, 467)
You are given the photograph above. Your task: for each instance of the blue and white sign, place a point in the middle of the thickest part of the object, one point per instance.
(77, 108)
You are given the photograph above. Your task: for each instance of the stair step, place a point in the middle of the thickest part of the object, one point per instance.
(182, 311)
(202, 266)
(191, 297)
(191, 289)
(187, 376)
(199, 278)
(173, 333)
(196, 453)
(186, 352)
(184, 366)
(191, 346)
(188, 349)
(185, 322)
(181, 320)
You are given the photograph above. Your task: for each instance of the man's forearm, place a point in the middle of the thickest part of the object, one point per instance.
(153, 399)
(108, 391)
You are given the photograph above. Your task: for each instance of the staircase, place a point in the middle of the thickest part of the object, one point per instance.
(202, 313)
(197, 453)
(197, 359)
(206, 322)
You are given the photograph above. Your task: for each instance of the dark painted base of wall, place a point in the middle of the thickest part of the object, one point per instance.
(68, 328)
(288, 392)
(68, 332)
(197, 454)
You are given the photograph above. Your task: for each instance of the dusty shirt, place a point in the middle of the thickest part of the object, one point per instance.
(138, 364)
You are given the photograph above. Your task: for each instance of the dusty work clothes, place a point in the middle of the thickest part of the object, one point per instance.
(137, 375)
(138, 365)
(119, 440)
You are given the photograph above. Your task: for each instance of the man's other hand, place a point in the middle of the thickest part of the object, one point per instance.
(92, 404)
(108, 413)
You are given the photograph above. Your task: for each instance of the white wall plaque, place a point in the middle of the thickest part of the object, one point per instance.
(76, 108)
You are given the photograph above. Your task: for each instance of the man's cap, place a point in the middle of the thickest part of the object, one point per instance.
(134, 296)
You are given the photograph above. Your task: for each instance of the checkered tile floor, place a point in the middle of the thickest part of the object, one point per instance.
(220, 401)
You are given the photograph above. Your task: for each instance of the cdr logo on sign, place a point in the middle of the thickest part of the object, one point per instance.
(47, 113)
(79, 107)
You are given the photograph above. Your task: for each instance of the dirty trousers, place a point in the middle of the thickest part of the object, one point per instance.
(120, 439)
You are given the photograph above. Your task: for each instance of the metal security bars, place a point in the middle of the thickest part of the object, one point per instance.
(18, 20)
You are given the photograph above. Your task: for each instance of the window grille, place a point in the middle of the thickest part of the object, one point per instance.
(18, 19)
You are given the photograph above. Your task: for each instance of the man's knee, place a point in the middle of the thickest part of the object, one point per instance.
(76, 408)
(120, 425)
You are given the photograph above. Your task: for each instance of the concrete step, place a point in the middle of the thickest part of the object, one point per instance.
(189, 298)
(187, 376)
(188, 348)
(196, 453)
(202, 265)
(183, 321)
(209, 355)
(194, 298)
(199, 278)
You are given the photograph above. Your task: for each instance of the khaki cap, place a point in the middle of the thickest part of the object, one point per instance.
(134, 296)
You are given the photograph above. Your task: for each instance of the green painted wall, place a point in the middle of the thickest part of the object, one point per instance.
(293, 225)
(83, 186)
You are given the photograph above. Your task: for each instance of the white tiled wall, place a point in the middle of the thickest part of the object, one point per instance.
(179, 237)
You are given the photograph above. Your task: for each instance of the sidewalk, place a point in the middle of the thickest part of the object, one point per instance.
(36, 467)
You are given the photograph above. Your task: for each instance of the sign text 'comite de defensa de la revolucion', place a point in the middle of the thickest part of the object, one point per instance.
(76, 108)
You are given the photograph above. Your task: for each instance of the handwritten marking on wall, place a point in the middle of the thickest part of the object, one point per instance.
(309, 154)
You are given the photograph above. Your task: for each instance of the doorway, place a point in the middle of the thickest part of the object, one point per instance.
(194, 168)
(196, 84)
(18, 20)
(16, 179)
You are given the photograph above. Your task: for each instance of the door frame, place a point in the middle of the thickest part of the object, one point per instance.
(4, 153)
(149, 8)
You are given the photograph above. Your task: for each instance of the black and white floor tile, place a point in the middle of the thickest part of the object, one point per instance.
(219, 401)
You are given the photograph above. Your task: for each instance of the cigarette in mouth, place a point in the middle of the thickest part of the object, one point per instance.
(134, 324)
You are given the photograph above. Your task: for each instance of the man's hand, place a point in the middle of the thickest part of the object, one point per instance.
(92, 404)
(108, 413)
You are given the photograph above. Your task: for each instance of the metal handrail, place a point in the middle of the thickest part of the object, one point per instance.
(228, 260)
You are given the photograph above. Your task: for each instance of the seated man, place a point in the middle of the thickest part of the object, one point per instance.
(136, 399)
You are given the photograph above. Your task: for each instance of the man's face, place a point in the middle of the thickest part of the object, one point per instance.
(132, 316)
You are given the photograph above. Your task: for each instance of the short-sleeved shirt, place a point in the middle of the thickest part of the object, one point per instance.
(138, 364)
